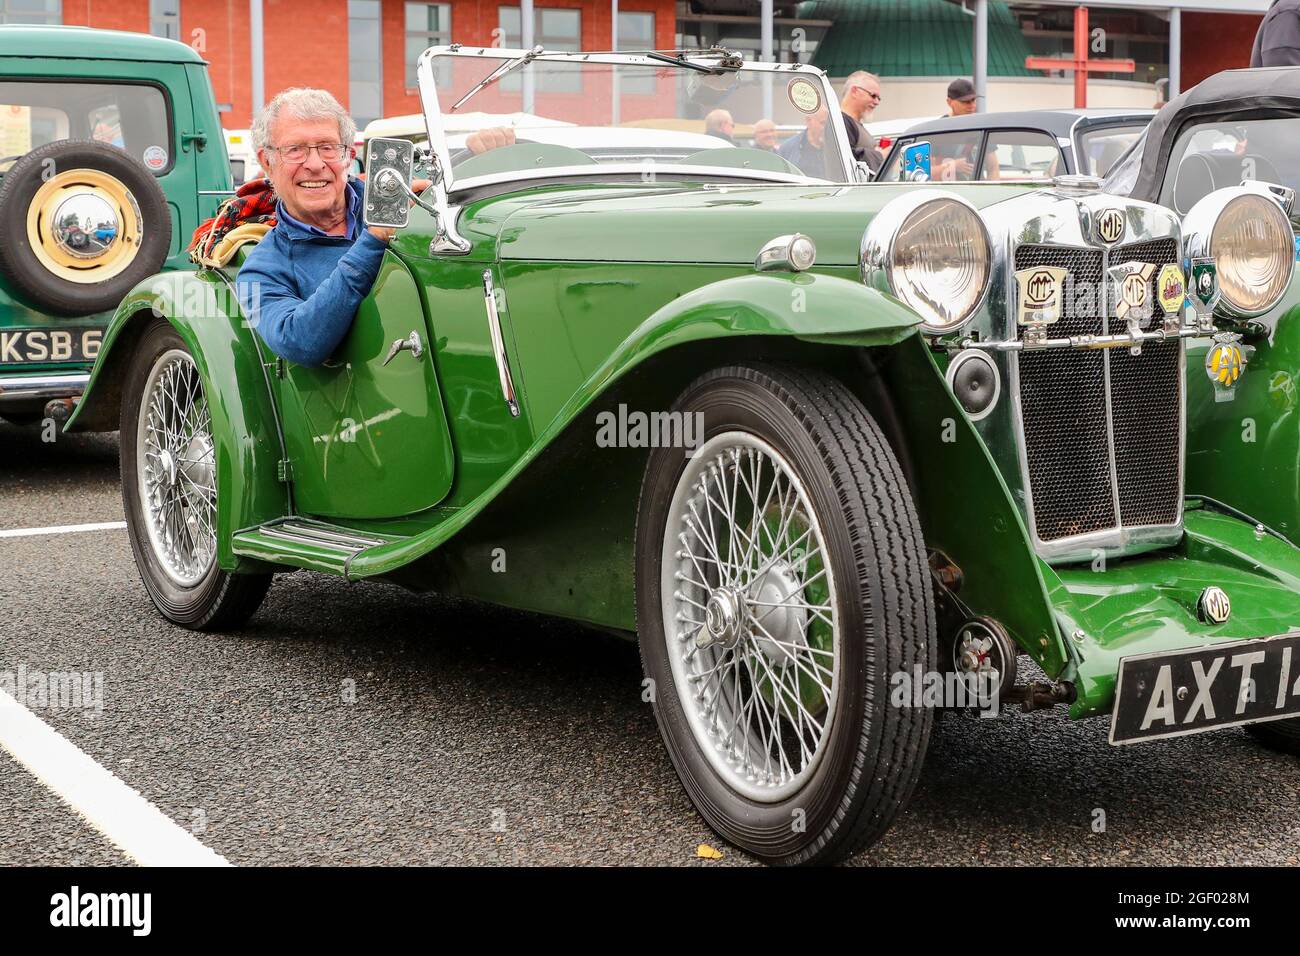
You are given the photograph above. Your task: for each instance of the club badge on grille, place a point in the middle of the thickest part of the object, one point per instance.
(1205, 285)
(1109, 226)
(1041, 289)
(1133, 301)
(1225, 363)
(1214, 607)
(1171, 289)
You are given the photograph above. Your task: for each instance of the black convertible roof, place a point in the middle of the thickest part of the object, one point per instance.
(1232, 94)
(1056, 122)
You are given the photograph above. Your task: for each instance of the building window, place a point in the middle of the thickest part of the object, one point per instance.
(427, 24)
(165, 18)
(636, 31)
(31, 11)
(557, 30)
(365, 63)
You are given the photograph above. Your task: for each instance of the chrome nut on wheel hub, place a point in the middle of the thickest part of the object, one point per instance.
(723, 619)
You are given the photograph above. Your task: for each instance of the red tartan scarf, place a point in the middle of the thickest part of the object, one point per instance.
(253, 202)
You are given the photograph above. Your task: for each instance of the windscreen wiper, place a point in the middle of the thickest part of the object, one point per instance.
(729, 62)
(507, 67)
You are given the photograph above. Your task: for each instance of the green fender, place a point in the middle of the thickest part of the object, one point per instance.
(816, 308)
(202, 308)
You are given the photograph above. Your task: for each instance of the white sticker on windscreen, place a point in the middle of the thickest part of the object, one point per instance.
(804, 95)
(155, 157)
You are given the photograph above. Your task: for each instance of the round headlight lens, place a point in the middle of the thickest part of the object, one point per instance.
(1254, 251)
(939, 263)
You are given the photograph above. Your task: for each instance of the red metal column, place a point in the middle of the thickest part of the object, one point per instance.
(1080, 57)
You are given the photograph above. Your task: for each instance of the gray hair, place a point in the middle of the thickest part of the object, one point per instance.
(303, 103)
(855, 78)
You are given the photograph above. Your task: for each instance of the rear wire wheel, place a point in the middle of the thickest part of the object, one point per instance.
(169, 489)
(781, 581)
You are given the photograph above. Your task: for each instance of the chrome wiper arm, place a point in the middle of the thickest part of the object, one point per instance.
(729, 62)
(506, 67)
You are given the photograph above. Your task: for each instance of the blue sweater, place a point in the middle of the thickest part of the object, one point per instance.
(300, 288)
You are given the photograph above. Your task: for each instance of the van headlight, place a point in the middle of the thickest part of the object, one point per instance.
(930, 249)
(1250, 238)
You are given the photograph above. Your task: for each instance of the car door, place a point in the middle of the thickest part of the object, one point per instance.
(366, 435)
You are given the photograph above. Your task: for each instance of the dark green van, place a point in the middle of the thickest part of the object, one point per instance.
(111, 153)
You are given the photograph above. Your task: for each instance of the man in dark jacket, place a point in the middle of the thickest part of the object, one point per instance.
(1278, 41)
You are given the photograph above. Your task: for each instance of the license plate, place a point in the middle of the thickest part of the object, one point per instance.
(1186, 692)
(21, 346)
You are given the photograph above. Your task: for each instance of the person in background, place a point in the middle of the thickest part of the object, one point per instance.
(720, 124)
(807, 150)
(860, 97)
(961, 97)
(765, 135)
(1278, 41)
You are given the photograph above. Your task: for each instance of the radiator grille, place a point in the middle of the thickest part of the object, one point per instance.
(1063, 405)
(1146, 403)
(1068, 416)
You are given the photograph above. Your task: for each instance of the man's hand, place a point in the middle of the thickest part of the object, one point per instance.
(486, 139)
(386, 233)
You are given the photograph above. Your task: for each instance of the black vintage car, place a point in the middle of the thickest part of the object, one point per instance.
(1032, 144)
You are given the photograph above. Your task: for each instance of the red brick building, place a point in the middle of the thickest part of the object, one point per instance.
(363, 50)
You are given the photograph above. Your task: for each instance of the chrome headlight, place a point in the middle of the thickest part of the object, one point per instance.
(1250, 238)
(930, 249)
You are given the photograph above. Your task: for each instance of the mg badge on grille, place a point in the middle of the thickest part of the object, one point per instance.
(1214, 606)
(1040, 294)
(1109, 226)
(1133, 305)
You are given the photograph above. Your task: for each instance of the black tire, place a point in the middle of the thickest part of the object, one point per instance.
(218, 601)
(874, 751)
(20, 265)
(1280, 735)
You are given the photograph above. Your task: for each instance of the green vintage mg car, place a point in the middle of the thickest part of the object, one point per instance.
(815, 443)
(110, 155)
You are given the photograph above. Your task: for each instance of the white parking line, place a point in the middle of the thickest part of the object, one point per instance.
(63, 529)
(132, 823)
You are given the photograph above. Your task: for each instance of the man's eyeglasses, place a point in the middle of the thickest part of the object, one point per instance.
(871, 93)
(328, 152)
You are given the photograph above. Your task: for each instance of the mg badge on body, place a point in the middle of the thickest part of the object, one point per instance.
(1214, 607)
(1109, 226)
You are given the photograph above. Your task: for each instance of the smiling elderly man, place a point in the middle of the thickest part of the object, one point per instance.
(301, 286)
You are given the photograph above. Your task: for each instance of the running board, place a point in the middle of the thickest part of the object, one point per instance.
(304, 543)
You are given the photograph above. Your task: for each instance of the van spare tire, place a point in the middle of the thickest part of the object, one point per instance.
(83, 222)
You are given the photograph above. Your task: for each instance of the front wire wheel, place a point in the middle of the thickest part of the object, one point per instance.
(752, 601)
(169, 489)
(781, 582)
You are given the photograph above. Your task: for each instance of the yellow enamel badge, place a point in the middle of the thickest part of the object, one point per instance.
(1172, 289)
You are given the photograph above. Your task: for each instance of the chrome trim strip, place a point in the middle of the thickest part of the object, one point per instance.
(339, 546)
(328, 534)
(28, 388)
(1105, 368)
(498, 345)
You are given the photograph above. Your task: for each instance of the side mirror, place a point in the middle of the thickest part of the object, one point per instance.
(916, 163)
(389, 166)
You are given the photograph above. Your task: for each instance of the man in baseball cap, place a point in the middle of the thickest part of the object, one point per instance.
(961, 97)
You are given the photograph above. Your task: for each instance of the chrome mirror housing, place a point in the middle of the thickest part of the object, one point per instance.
(389, 166)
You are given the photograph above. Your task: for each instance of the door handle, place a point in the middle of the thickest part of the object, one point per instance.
(410, 344)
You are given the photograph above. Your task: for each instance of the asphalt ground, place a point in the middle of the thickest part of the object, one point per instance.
(360, 724)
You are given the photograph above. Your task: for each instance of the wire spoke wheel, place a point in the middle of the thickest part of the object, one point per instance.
(176, 469)
(754, 640)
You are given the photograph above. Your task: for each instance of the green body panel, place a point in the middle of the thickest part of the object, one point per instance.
(369, 440)
(681, 223)
(75, 53)
(202, 310)
(1246, 452)
(1147, 604)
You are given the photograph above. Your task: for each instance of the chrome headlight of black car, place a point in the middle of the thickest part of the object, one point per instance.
(930, 249)
(1249, 236)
